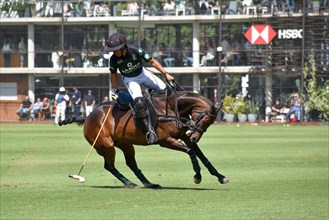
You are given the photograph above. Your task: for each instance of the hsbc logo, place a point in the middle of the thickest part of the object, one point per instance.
(264, 34)
(260, 34)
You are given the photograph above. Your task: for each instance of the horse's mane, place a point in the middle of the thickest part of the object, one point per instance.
(198, 96)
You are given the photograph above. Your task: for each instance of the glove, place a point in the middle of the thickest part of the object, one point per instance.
(114, 94)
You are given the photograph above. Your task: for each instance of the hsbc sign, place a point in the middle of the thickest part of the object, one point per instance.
(264, 34)
(290, 34)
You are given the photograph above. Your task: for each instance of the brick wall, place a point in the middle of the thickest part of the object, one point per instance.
(8, 107)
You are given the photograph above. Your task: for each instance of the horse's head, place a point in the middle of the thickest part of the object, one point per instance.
(202, 120)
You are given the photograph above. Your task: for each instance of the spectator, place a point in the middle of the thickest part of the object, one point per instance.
(225, 46)
(204, 7)
(262, 4)
(295, 109)
(37, 109)
(22, 51)
(6, 49)
(26, 107)
(187, 55)
(132, 8)
(89, 102)
(290, 5)
(68, 110)
(61, 100)
(39, 8)
(208, 57)
(158, 53)
(76, 101)
(55, 58)
(49, 8)
(168, 6)
(45, 109)
(105, 99)
(276, 109)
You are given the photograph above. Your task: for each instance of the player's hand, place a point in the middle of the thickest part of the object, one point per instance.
(114, 94)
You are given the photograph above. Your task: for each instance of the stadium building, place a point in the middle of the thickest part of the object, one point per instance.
(217, 50)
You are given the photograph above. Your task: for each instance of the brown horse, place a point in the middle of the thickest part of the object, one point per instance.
(180, 115)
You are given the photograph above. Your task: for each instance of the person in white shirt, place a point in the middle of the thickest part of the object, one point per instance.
(6, 49)
(61, 100)
(22, 51)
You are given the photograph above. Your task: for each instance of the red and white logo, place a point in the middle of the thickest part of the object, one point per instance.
(260, 34)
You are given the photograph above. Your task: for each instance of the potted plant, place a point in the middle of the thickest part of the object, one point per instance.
(20, 8)
(241, 109)
(232, 107)
(252, 110)
(229, 108)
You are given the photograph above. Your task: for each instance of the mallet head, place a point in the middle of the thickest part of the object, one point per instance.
(77, 177)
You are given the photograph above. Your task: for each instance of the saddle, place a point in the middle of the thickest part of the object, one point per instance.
(125, 103)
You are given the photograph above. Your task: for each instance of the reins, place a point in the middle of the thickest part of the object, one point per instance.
(182, 121)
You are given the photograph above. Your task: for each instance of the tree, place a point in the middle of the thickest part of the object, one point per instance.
(318, 95)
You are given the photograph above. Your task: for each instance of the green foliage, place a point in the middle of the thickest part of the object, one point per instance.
(19, 6)
(253, 107)
(318, 95)
(234, 106)
(6, 6)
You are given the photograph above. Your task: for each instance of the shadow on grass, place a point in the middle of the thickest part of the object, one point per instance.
(162, 188)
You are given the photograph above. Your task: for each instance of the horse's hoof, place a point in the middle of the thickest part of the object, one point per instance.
(197, 179)
(223, 180)
(152, 186)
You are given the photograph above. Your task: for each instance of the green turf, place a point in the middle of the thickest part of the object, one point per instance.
(275, 172)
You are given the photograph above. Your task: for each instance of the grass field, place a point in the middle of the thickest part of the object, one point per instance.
(275, 172)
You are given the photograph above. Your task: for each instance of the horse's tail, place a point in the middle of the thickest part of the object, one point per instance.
(79, 121)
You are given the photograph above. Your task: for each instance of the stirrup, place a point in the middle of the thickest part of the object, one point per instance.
(151, 137)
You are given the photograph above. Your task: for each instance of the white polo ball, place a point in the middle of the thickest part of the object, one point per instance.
(82, 179)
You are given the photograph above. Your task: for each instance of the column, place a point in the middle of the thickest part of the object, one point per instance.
(196, 55)
(30, 46)
(268, 93)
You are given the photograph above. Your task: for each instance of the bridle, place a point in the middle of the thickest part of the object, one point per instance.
(196, 126)
(193, 126)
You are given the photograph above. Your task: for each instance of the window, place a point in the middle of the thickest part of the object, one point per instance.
(8, 91)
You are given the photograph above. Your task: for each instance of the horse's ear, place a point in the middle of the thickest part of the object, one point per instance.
(218, 107)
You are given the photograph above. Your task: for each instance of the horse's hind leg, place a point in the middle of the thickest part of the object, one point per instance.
(109, 157)
(129, 153)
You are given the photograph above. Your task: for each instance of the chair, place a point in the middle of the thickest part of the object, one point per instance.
(250, 7)
(215, 11)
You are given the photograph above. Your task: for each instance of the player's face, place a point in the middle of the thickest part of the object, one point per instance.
(121, 52)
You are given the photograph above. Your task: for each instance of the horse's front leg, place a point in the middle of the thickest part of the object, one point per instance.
(174, 144)
(129, 153)
(221, 178)
(109, 158)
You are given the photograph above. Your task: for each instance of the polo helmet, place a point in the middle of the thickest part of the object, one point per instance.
(115, 42)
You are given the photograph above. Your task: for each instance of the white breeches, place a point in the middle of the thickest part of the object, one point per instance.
(89, 109)
(147, 79)
(60, 111)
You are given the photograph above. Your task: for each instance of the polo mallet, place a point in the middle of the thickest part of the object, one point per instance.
(81, 178)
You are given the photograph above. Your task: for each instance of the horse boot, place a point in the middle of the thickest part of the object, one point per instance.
(141, 114)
